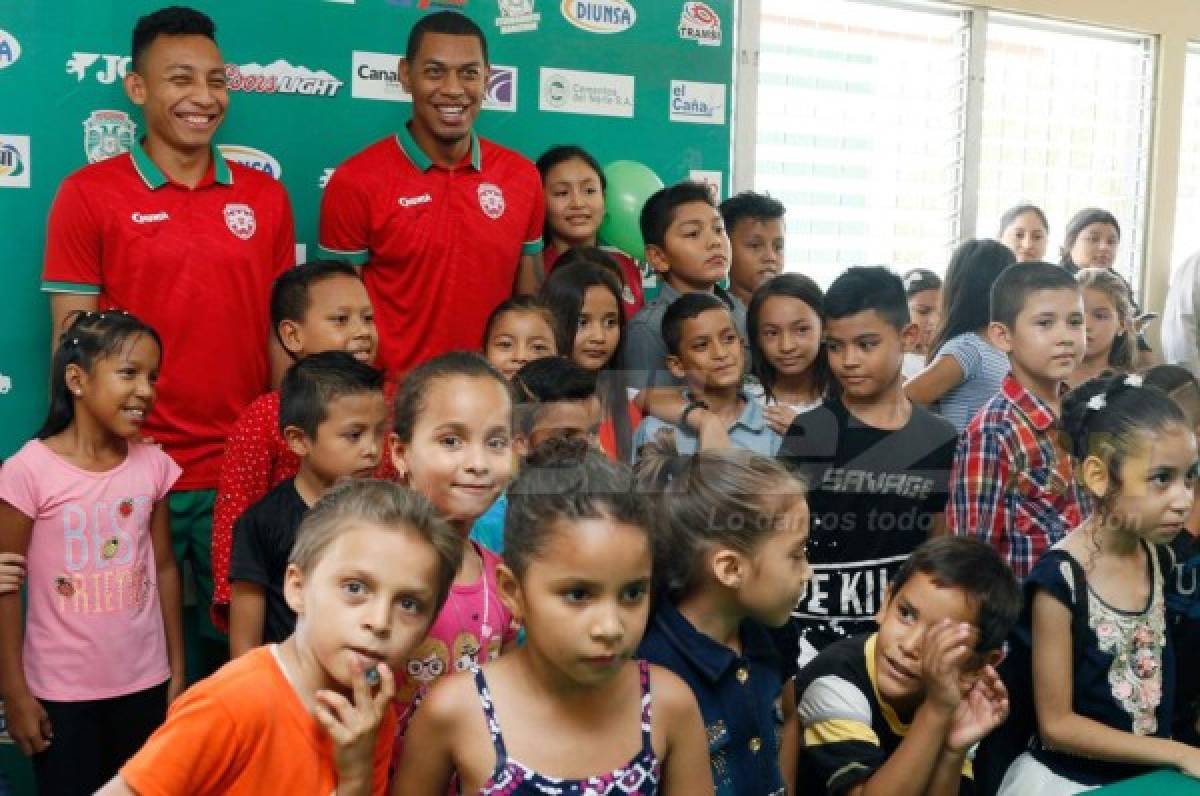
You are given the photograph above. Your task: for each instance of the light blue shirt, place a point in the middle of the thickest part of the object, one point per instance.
(749, 431)
(984, 368)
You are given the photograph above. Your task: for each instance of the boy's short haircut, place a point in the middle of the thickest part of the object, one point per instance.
(289, 293)
(448, 22)
(169, 21)
(381, 503)
(868, 287)
(659, 210)
(684, 308)
(314, 382)
(960, 562)
(545, 381)
(748, 204)
(1016, 283)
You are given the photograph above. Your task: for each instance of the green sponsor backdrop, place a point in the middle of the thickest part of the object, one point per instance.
(72, 53)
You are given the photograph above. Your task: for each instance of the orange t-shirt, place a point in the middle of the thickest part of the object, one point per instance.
(244, 731)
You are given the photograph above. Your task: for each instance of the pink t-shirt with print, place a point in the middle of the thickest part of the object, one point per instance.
(93, 628)
(472, 627)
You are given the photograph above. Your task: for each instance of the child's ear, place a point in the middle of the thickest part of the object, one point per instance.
(396, 450)
(135, 88)
(729, 567)
(74, 377)
(293, 589)
(508, 588)
(999, 336)
(521, 445)
(675, 365)
(657, 257)
(1093, 472)
(291, 337)
(297, 441)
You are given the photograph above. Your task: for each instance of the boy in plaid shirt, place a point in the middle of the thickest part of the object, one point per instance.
(1013, 483)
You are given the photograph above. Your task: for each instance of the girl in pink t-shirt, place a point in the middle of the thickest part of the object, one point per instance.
(101, 655)
(453, 443)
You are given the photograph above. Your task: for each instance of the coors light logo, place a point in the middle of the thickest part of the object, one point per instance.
(280, 77)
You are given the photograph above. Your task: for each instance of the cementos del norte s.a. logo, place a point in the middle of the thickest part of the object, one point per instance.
(600, 16)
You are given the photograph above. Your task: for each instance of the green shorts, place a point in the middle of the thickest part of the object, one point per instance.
(191, 539)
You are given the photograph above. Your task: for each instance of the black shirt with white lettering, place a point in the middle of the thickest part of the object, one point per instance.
(874, 495)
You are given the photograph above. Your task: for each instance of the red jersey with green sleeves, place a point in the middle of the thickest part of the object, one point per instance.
(195, 264)
(441, 246)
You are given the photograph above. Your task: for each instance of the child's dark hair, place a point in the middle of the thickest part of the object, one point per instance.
(1106, 416)
(566, 288)
(659, 210)
(564, 292)
(974, 268)
(316, 381)
(564, 152)
(544, 381)
(1124, 346)
(972, 566)
(1018, 282)
(748, 204)
(289, 293)
(918, 280)
(566, 481)
(384, 504)
(726, 497)
(795, 286)
(518, 304)
(1078, 223)
(1016, 211)
(89, 337)
(448, 22)
(684, 308)
(868, 287)
(410, 398)
(169, 21)
(1180, 385)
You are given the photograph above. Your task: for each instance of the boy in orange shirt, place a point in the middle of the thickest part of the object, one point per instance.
(371, 567)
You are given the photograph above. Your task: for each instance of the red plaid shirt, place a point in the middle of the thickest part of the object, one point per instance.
(1012, 485)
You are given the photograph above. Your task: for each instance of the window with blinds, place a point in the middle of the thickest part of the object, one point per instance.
(893, 129)
(860, 130)
(1187, 202)
(1066, 125)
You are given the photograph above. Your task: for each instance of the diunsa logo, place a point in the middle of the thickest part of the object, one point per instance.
(254, 158)
(600, 16)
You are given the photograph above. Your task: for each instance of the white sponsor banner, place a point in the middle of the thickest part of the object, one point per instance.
(591, 93)
(698, 103)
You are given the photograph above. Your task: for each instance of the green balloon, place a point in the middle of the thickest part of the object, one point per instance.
(630, 184)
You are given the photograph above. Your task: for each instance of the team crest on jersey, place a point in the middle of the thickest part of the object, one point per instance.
(491, 200)
(240, 220)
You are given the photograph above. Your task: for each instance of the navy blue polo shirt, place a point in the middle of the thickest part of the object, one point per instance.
(738, 697)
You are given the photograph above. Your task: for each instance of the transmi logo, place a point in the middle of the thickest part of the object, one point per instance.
(600, 16)
(14, 161)
(254, 158)
(591, 93)
(698, 22)
(10, 49)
